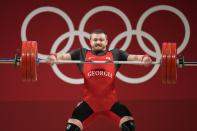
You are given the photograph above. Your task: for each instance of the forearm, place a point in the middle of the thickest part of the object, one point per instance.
(132, 57)
(63, 56)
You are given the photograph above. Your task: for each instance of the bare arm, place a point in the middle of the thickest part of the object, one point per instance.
(54, 57)
(132, 57)
(143, 58)
(73, 55)
(63, 56)
(121, 55)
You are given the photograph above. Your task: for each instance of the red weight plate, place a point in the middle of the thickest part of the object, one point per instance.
(33, 60)
(164, 63)
(28, 54)
(23, 62)
(173, 63)
(169, 57)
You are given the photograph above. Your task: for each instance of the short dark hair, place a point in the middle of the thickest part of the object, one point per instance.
(98, 31)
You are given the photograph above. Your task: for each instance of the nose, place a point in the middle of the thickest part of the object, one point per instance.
(98, 41)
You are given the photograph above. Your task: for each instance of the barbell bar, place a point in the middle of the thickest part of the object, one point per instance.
(28, 61)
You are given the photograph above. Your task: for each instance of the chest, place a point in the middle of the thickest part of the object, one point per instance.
(99, 67)
(92, 57)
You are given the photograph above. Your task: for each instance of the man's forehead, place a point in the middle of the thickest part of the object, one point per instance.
(95, 35)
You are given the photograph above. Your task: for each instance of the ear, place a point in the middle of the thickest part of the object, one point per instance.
(90, 42)
(106, 42)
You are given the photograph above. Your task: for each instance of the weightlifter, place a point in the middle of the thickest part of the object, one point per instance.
(99, 94)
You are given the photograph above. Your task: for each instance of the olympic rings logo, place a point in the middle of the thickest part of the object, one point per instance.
(128, 34)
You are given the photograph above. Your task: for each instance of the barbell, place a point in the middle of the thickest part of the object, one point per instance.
(28, 61)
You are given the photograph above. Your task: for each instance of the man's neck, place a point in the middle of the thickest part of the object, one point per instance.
(99, 52)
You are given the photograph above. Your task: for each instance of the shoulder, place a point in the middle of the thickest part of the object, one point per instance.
(84, 49)
(78, 50)
(78, 53)
(115, 50)
(118, 51)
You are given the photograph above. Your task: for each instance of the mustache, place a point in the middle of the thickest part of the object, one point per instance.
(98, 45)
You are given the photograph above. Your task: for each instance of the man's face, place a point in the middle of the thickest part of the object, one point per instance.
(98, 41)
